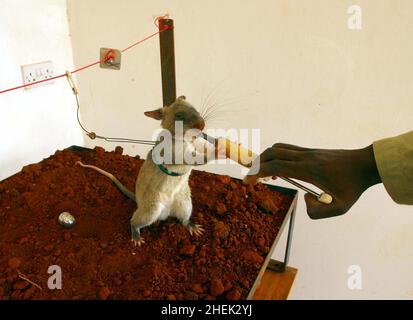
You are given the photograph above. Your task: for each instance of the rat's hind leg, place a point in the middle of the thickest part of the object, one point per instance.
(195, 229)
(182, 210)
(142, 217)
(136, 235)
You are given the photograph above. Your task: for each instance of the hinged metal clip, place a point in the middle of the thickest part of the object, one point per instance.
(72, 82)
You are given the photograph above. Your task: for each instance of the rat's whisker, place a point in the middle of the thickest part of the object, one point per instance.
(213, 107)
(217, 113)
(207, 101)
(210, 104)
(232, 100)
(205, 110)
(215, 89)
(213, 98)
(214, 117)
(202, 107)
(213, 112)
(213, 121)
(218, 108)
(215, 103)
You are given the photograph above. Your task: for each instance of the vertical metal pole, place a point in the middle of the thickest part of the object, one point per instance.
(279, 266)
(167, 47)
(289, 239)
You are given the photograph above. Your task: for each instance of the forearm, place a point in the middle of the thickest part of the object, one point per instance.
(365, 162)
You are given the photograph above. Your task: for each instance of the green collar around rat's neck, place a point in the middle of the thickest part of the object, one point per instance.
(166, 170)
(169, 172)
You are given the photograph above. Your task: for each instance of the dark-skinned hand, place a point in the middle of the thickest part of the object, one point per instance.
(344, 174)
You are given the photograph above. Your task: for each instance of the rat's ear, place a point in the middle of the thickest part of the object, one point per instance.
(155, 114)
(181, 98)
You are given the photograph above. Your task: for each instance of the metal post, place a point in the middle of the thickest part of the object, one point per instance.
(279, 266)
(166, 42)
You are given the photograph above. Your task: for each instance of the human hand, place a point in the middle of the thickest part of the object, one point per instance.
(344, 174)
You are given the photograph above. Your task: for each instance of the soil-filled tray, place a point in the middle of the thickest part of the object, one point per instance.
(96, 256)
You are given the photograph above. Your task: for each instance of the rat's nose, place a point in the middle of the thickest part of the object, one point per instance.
(200, 124)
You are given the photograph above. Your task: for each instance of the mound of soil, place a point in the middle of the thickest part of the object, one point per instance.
(96, 256)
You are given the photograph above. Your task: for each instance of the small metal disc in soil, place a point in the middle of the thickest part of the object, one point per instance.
(66, 220)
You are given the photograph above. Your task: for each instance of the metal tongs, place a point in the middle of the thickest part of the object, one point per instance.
(322, 197)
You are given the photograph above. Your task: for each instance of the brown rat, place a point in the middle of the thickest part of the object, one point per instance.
(162, 189)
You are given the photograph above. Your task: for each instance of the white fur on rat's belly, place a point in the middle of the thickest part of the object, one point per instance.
(154, 188)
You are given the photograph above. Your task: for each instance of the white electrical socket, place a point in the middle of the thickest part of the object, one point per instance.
(37, 72)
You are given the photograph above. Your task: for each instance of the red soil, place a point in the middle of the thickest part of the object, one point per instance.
(97, 259)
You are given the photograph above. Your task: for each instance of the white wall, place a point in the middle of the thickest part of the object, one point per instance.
(296, 72)
(35, 122)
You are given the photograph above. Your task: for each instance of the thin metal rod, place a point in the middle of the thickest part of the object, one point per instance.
(125, 140)
(299, 185)
(289, 238)
(93, 135)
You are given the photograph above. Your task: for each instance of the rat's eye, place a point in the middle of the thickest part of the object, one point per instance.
(179, 116)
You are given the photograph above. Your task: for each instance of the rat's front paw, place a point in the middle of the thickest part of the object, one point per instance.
(221, 149)
(221, 152)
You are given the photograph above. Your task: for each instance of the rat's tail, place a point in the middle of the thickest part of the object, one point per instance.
(120, 186)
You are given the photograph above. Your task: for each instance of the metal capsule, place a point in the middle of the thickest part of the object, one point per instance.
(66, 220)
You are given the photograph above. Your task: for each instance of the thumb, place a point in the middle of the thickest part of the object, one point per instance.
(319, 210)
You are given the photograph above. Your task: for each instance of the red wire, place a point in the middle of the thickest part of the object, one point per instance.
(144, 39)
(111, 54)
(156, 21)
(33, 83)
(87, 66)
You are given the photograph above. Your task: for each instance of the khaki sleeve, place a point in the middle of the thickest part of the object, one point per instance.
(394, 159)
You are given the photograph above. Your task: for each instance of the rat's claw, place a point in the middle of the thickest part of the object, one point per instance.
(196, 229)
(136, 236)
(138, 242)
(198, 232)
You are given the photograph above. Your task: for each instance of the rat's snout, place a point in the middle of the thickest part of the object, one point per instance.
(200, 124)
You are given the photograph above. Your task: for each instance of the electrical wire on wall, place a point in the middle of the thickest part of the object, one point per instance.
(93, 135)
(108, 56)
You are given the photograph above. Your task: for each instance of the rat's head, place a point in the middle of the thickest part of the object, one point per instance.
(180, 110)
